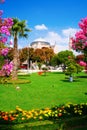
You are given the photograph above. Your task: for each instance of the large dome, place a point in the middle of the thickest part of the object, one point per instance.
(40, 42)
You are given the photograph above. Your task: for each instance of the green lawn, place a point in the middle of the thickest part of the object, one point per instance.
(43, 91)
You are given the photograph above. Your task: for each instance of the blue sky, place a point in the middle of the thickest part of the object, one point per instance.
(50, 20)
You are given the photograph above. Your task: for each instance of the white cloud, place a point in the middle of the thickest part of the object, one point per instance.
(62, 40)
(41, 27)
(69, 32)
(53, 37)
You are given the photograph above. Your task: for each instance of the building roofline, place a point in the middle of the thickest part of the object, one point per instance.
(40, 42)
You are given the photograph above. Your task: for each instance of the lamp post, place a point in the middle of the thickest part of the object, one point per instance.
(28, 58)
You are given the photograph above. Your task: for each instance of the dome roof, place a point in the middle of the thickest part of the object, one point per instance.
(41, 42)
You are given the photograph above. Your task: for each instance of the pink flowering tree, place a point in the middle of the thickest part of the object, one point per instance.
(5, 27)
(79, 42)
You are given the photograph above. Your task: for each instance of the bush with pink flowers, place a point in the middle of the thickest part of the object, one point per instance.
(5, 27)
(79, 42)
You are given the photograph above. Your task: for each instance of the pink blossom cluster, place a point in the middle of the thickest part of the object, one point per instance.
(5, 30)
(83, 25)
(5, 26)
(80, 41)
(8, 22)
(3, 39)
(82, 63)
(7, 68)
(4, 51)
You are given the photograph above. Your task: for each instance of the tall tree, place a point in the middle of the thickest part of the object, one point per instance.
(19, 29)
(43, 55)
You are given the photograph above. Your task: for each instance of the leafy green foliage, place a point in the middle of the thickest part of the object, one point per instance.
(72, 67)
(1, 61)
(63, 56)
(55, 60)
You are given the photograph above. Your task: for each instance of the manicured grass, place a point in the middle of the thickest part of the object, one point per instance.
(43, 91)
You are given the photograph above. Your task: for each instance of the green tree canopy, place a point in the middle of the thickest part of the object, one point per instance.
(64, 56)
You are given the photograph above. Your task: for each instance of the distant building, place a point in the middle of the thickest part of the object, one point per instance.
(41, 44)
(70, 43)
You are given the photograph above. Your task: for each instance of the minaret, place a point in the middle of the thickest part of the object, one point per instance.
(55, 48)
(70, 43)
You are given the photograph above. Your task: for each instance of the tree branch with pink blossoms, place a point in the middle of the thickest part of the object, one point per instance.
(5, 26)
(79, 42)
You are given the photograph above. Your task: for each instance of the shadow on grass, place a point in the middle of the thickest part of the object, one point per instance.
(23, 76)
(67, 80)
(85, 93)
(82, 76)
(57, 72)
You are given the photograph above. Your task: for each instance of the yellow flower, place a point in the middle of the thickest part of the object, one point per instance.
(6, 112)
(24, 114)
(49, 113)
(28, 117)
(75, 111)
(81, 106)
(80, 113)
(40, 117)
(68, 105)
(34, 117)
(75, 108)
(46, 115)
(56, 115)
(36, 113)
(11, 111)
(32, 110)
(60, 110)
(23, 118)
(41, 111)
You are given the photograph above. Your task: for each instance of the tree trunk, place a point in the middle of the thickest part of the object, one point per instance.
(15, 59)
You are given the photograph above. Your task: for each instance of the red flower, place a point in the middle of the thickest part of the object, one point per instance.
(40, 73)
(60, 114)
(12, 118)
(5, 118)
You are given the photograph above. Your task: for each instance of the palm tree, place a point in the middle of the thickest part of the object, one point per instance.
(19, 29)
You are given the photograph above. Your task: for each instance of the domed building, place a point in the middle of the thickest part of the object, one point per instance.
(41, 43)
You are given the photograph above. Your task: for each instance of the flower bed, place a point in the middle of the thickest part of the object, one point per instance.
(40, 73)
(56, 113)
